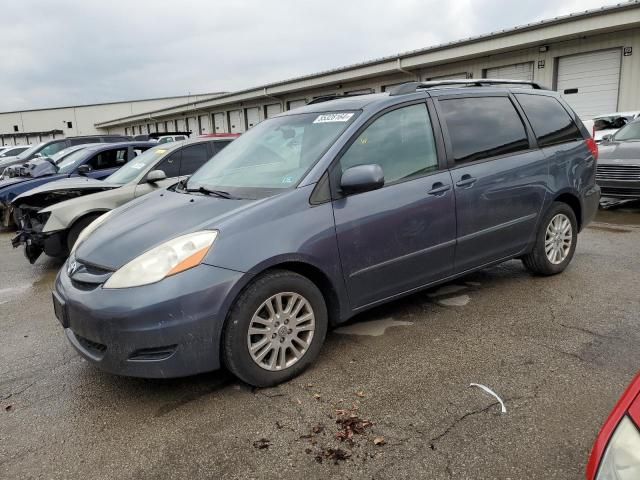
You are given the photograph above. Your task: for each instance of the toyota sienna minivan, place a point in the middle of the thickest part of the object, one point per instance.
(323, 212)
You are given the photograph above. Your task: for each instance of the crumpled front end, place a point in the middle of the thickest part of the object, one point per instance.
(31, 223)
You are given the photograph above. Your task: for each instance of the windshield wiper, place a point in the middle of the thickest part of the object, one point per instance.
(217, 193)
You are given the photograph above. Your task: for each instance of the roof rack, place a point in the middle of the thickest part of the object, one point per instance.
(412, 87)
(334, 96)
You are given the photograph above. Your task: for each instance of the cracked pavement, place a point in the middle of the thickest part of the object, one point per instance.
(559, 351)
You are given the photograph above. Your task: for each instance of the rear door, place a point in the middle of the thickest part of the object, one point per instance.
(498, 174)
(193, 157)
(401, 236)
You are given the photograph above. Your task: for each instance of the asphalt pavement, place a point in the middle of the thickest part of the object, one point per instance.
(389, 396)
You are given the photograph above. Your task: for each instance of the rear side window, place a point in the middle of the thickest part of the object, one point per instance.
(170, 165)
(550, 121)
(83, 140)
(483, 127)
(400, 141)
(193, 157)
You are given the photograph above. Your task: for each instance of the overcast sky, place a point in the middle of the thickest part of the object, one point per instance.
(64, 52)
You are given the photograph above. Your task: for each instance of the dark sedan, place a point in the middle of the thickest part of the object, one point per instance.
(95, 161)
(618, 172)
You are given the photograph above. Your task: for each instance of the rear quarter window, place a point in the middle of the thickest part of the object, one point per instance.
(483, 127)
(550, 121)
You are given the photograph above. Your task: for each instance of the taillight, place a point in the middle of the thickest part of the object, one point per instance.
(593, 147)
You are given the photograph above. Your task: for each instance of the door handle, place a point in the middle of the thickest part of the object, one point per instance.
(438, 189)
(466, 181)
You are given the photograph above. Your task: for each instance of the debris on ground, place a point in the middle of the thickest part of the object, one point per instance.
(350, 425)
(262, 443)
(318, 429)
(503, 409)
(8, 408)
(317, 396)
(379, 441)
(360, 394)
(335, 454)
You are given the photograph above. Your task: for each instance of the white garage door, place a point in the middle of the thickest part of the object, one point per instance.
(273, 110)
(453, 76)
(517, 71)
(181, 125)
(253, 116)
(589, 82)
(296, 104)
(192, 126)
(219, 122)
(204, 124)
(236, 121)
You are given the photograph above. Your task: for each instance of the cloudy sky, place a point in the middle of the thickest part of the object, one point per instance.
(65, 52)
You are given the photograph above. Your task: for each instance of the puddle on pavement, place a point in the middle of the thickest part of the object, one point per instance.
(626, 213)
(606, 228)
(373, 328)
(447, 290)
(7, 294)
(459, 301)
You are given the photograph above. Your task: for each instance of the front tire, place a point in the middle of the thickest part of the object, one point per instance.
(275, 329)
(556, 241)
(76, 229)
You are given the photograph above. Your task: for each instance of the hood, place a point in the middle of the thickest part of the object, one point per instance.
(31, 169)
(6, 161)
(151, 220)
(623, 151)
(72, 187)
(7, 182)
(12, 190)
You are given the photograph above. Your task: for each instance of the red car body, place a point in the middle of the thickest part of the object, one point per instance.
(629, 405)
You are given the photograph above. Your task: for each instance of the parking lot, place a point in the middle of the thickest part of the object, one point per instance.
(388, 398)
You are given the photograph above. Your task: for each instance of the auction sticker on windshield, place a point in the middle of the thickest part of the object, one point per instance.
(333, 117)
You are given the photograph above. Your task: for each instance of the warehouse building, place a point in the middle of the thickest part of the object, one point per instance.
(592, 58)
(33, 126)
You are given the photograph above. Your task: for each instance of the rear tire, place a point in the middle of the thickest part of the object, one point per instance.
(556, 241)
(78, 226)
(287, 316)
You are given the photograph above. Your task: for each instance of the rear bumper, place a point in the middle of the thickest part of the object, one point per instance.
(168, 329)
(590, 204)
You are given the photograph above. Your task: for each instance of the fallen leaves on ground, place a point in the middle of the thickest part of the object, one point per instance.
(350, 425)
(335, 454)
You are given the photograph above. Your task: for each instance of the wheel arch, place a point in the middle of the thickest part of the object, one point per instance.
(571, 199)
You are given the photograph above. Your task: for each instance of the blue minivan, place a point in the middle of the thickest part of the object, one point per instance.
(321, 213)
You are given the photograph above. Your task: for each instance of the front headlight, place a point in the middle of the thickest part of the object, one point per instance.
(89, 229)
(174, 256)
(621, 460)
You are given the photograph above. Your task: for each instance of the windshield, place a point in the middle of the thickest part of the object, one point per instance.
(132, 169)
(27, 153)
(628, 132)
(56, 157)
(71, 161)
(273, 155)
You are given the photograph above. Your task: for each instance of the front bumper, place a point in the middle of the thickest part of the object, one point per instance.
(168, 329)
(53, 244)
(620, 188)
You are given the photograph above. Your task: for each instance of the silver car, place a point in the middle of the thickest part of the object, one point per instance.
(618, 172)
(55, 228)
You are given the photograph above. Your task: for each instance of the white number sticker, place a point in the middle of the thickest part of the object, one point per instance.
(333, 117)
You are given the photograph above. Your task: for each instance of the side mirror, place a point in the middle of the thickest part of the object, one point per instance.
(155, 176)
(83, 170)
(362, 178)
(607, 138)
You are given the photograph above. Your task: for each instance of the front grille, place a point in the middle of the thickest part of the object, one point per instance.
(620, 192)
(91, 346)
(618, 172)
